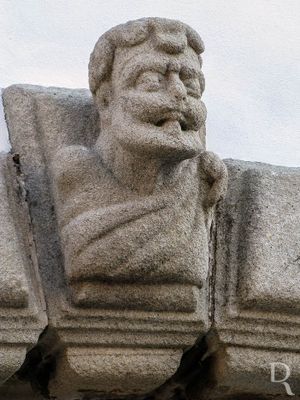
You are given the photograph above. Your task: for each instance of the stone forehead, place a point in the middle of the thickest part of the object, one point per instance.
(170, 36)
(130, 62)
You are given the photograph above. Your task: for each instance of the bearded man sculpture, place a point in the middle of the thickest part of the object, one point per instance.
(136, 207)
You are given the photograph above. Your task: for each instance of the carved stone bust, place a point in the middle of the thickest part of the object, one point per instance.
(136, 206)
(110, 284)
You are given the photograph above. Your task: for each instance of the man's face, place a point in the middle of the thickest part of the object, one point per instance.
(156, 108)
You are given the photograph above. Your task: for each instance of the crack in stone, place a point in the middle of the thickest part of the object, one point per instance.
(40, 363)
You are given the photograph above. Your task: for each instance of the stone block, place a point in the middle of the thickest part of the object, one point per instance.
(257, 277)
(22, 307)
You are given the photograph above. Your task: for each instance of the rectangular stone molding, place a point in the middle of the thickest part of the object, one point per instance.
(22, 307)
(14, 288)
(137, 316)
(257, 276)
(116, 365)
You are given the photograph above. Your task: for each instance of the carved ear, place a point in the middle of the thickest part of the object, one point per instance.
(103, 95)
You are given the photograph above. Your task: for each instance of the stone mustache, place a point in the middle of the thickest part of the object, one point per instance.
(136, 207)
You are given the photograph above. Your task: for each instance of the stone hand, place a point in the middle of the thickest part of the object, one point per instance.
(215, 174)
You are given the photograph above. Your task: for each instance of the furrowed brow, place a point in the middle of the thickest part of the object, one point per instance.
(132, 70)
(188, 71)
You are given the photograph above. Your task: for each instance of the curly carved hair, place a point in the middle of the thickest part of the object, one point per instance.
(171, 36)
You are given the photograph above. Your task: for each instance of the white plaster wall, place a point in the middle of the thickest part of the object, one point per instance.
(251, 61)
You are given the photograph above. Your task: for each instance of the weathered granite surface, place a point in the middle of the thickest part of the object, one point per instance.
(118, 229)
(122, 206)
(22, 308)
(257, 277)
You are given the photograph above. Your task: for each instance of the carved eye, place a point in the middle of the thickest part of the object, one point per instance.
(193, 87)
(150, 81)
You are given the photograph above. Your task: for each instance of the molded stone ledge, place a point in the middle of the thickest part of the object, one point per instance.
(113, 370)
(22, 309)
(170, 297)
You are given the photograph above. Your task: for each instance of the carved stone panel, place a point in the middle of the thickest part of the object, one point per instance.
(257, 277)
(22, 309)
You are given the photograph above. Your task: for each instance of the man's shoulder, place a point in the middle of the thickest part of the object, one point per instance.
(73, 154)
(71, 162)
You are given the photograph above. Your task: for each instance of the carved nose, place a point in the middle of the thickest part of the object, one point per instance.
(178, 89)
(180, 92)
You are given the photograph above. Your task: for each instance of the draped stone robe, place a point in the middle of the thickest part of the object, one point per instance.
(111, 233)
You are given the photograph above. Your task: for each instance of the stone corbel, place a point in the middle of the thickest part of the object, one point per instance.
(123, 337)
(254, 276)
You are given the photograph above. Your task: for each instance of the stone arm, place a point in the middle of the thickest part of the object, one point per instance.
(214, 172)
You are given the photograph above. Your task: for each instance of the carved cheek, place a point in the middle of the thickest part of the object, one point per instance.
(141, 103)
